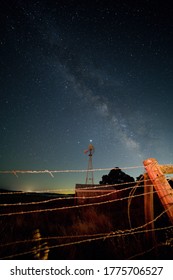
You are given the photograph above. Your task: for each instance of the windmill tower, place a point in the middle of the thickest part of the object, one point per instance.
(90, 175)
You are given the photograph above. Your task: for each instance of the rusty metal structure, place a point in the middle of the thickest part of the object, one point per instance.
(89, 175)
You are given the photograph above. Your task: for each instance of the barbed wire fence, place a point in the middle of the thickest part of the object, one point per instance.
(70, 240)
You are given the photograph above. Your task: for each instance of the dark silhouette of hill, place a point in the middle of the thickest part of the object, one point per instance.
(3, 190)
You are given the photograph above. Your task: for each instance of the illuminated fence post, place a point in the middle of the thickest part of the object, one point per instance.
(160, 183)
(40, 250)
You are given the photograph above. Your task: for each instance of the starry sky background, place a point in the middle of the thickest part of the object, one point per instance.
(75, 71)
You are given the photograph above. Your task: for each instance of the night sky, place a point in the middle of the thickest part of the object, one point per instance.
(75, 71)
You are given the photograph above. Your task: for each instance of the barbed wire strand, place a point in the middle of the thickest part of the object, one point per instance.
(110, 235)
(83, 188)
(50, 172)
(112, 191)
(80, 242)
(131, 194)
(56, 191)
(147, 251)
(77, 197)
(71, 207)
(62, 191)
(53, 238)
(108, 193)
(103, 234)
(134, 229)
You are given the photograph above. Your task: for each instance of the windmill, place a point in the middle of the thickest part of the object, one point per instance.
(89, 175)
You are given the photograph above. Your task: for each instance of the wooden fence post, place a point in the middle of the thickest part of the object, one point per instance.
(161, 185)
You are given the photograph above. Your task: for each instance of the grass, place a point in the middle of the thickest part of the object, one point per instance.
(44, 232)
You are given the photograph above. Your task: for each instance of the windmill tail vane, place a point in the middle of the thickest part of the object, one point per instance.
(90, 149)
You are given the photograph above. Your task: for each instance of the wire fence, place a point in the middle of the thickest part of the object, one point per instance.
(103, 192)
(51, 172)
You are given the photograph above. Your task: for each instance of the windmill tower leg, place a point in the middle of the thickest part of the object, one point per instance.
(90, 175)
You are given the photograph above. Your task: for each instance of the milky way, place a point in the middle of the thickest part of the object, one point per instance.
(72, 71)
